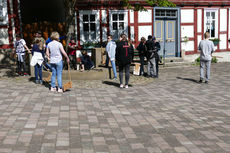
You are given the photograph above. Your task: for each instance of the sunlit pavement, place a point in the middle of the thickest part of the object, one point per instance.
(173, 113)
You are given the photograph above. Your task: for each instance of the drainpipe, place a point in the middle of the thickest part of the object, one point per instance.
(164, 50)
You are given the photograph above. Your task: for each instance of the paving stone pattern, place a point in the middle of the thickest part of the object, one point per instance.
(166, 115)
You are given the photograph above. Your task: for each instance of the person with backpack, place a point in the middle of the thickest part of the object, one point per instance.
(142, 53)
(19, 49)
(151, 57)
(124, 55)
(111, 50)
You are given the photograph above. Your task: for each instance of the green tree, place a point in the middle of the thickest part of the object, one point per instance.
(70, 19)
(159, 3)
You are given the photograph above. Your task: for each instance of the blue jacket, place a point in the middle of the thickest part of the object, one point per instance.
(111, 50)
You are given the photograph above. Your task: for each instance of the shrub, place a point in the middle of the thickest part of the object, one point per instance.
(214, 60)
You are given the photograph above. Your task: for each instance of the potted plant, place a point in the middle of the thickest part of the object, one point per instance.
(185, 39)
(215, 41)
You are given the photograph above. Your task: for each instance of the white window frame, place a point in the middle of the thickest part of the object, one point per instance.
(216, 20)
(97, 22)
(4, 13)
(116, 33)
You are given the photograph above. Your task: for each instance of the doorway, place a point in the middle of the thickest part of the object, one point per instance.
(166, 31)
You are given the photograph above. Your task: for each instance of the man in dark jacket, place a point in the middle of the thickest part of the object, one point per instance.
(124, 55)
(152, 57)
(157, 47)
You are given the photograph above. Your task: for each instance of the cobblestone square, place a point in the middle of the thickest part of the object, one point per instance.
(171, 114)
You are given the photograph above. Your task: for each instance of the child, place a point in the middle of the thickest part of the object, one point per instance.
(19, 48)
(37, 60)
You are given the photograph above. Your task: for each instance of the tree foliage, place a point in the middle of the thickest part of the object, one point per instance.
(70, 19)
(159, 3)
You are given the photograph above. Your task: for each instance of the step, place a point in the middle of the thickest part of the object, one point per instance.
(95, 74)
(173, 59)
(177, 64)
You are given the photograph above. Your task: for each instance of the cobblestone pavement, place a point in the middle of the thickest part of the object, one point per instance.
(170, 114)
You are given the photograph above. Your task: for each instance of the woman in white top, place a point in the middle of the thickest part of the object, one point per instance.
(54, 52)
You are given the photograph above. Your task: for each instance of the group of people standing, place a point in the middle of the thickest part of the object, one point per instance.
(121, 52)
(53, 51)
(149, 50)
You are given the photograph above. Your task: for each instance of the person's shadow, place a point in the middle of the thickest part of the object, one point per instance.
(111, 83)
(46, 84)
(188, 79)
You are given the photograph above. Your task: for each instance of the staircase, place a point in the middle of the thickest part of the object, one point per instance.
(175, 62)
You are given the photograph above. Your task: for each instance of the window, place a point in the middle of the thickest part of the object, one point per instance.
(211, 22)
(166, 13)
(118, 23)
(89, 26)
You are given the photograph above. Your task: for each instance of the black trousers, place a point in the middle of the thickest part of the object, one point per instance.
(21, 65)
(127, 71)
(142, 60)
(73, 61)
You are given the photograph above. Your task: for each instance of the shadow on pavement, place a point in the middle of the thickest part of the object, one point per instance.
(46, 84)
(188, 79)
(111, 83)
(8, 71)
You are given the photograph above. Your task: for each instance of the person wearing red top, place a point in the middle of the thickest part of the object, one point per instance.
(72, 53)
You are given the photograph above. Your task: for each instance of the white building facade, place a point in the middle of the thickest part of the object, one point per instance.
(179, 29)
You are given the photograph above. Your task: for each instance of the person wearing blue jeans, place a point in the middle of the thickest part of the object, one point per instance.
(57, 71)
(54, 52)
(114, 68)
(38, 72)
(111, 50)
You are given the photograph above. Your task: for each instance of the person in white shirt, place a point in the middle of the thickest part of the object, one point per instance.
(19, 49)
(54, 52)
(206, 48)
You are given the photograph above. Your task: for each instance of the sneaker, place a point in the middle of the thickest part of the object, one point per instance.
(115, 79)
(206, 82)
(53, 89)
(40, 81)
(60, 90)
(37, 81)
(121, 86)
(92, 68)
(26, 74)
(126, 86)
(201, 81)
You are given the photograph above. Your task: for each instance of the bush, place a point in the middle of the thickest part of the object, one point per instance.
(214, 60)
